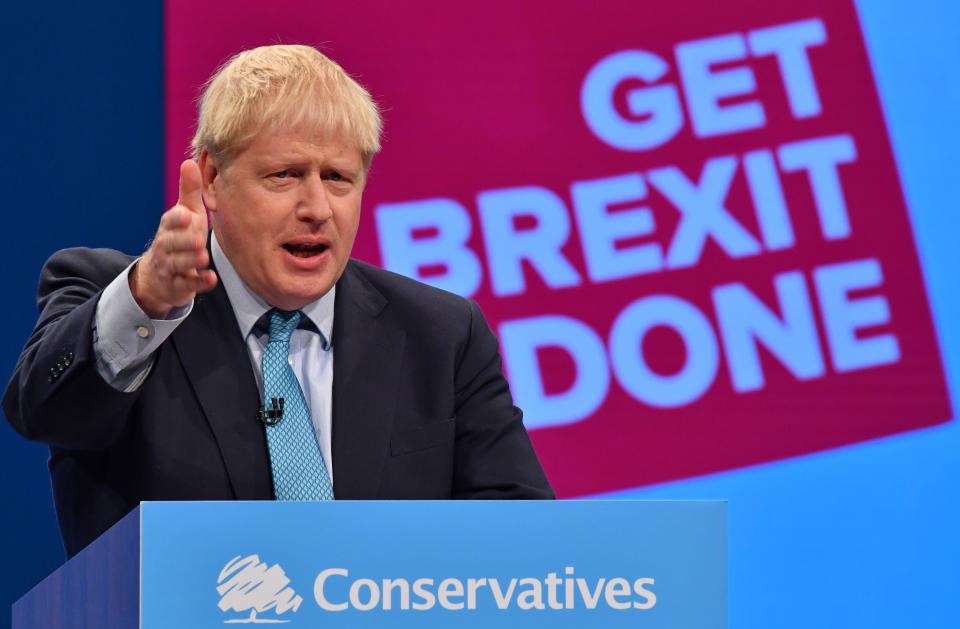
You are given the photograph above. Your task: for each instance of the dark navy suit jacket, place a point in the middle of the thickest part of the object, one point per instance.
(421, 409)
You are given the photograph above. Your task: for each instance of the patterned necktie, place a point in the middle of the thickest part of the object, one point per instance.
(298, 469)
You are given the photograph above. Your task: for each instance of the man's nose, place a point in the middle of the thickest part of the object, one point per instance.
(314, 202)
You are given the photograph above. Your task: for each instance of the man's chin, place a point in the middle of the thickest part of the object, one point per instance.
(296, 292)
(294, 302)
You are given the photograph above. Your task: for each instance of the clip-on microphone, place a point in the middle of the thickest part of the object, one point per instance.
(272, 416)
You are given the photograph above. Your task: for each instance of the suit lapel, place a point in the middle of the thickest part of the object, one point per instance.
(366, 366)
(215, 357)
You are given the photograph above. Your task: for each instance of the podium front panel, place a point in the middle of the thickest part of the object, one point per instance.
(435, 564)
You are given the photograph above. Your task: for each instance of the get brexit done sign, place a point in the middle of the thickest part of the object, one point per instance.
(683, 221)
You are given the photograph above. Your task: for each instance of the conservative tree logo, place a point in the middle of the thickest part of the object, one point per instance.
(248, 585)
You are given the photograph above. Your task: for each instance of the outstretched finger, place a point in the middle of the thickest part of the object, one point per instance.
(176, 218)
(190, 196)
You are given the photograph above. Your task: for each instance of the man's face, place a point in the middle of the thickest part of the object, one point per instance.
(286, 211)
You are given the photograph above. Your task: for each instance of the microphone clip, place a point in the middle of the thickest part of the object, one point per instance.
(272, 416)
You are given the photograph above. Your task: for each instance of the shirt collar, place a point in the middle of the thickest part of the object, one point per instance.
(250, 307)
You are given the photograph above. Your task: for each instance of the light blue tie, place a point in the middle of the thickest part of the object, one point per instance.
(298, 469)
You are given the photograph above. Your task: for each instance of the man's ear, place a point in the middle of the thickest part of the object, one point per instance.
(209, 179)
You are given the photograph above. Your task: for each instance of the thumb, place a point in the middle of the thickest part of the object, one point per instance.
(190, 196)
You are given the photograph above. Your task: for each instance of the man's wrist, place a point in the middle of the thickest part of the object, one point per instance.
(150, 307)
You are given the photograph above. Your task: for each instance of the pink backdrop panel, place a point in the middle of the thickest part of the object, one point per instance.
(749, 288)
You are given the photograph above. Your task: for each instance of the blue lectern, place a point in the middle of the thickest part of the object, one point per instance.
(395, 564)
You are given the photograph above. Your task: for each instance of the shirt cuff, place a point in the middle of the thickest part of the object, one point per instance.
(125, 337)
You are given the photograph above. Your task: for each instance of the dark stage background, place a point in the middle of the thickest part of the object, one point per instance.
(82, 159)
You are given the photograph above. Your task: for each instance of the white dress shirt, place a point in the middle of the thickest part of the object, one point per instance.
(125, 338)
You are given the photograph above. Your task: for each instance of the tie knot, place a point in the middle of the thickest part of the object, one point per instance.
(282, 325)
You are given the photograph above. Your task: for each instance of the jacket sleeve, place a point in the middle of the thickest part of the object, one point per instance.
(494, 455)
(56, 394)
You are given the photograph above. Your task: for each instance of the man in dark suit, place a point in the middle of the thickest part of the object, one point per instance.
(157, 378)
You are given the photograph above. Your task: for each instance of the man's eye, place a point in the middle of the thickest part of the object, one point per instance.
(335, 176)
(282, 174)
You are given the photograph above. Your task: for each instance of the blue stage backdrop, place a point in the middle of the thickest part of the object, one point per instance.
(821, 534)
(82, 165)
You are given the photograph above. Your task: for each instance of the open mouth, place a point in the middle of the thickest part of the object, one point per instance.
(305, 250)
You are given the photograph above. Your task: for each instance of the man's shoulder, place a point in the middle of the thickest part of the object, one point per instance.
(400, 288)
(416, 306)
(99, 266)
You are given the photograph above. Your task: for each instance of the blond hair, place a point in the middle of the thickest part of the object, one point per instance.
(283, 86)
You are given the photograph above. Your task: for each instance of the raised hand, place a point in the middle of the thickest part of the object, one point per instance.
(174, 269)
